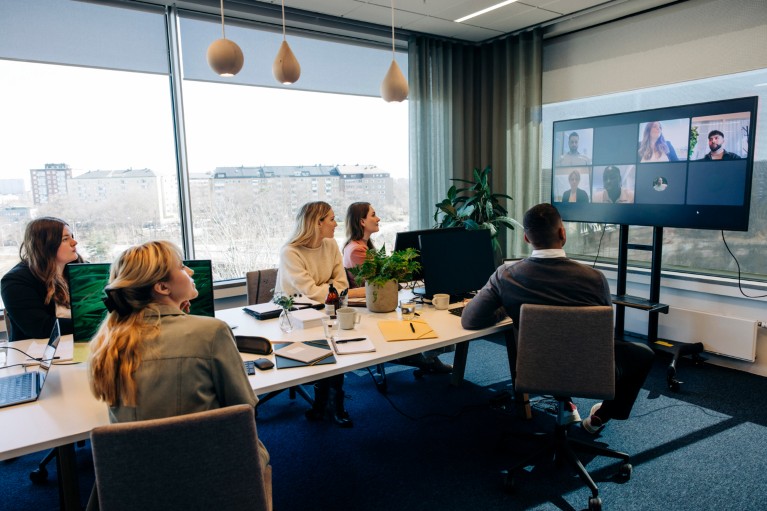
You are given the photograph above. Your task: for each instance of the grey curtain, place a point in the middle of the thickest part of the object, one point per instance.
(473, 106)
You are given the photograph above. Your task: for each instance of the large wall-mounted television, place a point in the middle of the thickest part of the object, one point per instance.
(681, 166)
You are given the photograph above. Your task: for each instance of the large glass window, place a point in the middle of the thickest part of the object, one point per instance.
(697, 251)
(89, 136)
(258, 151)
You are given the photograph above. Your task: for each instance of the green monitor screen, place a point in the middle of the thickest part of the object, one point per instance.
(86, 289)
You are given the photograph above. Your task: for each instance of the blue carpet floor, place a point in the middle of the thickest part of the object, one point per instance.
(425, 445)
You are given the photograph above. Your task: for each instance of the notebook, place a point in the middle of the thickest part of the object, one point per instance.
(26, 387)
(302, 352)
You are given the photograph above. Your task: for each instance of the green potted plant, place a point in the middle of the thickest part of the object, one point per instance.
(382, 274)
(475, 207)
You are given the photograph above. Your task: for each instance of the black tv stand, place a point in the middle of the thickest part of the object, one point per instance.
(652, 305)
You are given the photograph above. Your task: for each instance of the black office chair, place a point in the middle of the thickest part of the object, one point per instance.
(260, 289)
(566, 352)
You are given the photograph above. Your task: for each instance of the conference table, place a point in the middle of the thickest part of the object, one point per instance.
(66, 411)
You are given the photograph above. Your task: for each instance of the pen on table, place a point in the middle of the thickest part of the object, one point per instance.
(341, 341)
(412, 327)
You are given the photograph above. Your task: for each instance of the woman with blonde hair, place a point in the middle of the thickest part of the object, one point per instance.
(654, 147)
(35, 292)
(309, 262)
(151, 360)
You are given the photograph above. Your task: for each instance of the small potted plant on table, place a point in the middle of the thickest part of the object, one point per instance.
(382, 273)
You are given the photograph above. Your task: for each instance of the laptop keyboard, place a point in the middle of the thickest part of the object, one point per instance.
(250, 367)
(17, 387)
(457, 311)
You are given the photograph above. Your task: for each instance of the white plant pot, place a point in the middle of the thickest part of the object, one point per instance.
(382, 299)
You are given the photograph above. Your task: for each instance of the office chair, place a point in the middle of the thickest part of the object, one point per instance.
(567, 352)
(260, 289)
(205, 460)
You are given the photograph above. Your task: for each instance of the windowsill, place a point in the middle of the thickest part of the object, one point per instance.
(720, 286)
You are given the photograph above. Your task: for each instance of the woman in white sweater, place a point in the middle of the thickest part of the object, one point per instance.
(309, 262)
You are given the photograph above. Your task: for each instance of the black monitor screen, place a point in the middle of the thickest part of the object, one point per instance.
(410, 239)
(456, 261)
(86, 289)
(682, 166)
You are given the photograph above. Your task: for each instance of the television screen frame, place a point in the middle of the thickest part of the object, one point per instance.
(691, 192)
(88, 309)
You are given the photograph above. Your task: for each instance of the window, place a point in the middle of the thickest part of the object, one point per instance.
(89, 132)
(695, 251)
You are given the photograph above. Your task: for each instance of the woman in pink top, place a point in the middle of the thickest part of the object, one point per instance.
(361, 223)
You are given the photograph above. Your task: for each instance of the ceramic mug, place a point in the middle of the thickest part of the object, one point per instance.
(347, 318)
(441, 301)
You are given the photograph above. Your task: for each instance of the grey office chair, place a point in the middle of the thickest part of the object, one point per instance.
(206, 460)
(260, 289)
(567, 352)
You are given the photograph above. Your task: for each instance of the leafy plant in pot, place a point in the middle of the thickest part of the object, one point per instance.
(382, 274)
(476, 207)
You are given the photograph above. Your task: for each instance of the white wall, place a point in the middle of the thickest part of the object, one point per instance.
(686, 41)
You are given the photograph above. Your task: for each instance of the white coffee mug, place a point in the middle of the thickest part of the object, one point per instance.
(441, 301)
(347, 318)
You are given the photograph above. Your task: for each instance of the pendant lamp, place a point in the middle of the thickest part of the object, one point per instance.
(286, 68)
(224, 56)
(394, 86)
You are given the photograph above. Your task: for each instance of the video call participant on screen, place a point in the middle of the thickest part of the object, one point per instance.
(659, 184)
(572, 156)
(575, 194)
(613, 192)
(654, 147)
(309, 262)
(35, 291)
(716, 145)
(549, 277)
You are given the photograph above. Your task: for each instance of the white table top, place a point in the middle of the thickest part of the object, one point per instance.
(67, 411)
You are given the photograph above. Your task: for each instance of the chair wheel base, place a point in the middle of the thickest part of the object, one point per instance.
(595, 504)
(39, 475)
(625, 471)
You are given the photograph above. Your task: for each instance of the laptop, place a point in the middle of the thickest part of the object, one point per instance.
(26, 387)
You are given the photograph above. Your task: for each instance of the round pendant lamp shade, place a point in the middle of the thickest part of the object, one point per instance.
(286, 68)
(394, 86)
(225, 57)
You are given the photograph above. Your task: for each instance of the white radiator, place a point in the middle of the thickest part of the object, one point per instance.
(723, 335)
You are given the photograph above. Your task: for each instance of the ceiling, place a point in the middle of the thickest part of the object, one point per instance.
(436, 17)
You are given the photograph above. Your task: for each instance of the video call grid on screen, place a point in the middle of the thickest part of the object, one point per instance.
(676, 186)
(86, 290)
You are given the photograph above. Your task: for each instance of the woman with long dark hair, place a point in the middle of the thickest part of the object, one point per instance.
(35, 291)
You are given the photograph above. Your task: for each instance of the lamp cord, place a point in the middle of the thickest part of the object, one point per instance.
(223, 30)
(283, 19)
(392, 29)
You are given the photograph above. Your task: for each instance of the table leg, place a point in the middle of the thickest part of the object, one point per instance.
(459, 363)
(66, 467)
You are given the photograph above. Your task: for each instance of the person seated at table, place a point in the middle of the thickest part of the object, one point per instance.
(361, 223)
(549, 277)
(149, 359)
(35, 292)
(309, 262)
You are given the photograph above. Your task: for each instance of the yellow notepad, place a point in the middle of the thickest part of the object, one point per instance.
(394, 330)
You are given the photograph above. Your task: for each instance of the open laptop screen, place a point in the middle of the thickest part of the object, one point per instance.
(456, 262)
(86, 289)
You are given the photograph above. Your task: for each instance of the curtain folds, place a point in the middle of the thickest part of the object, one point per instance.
(473, 106)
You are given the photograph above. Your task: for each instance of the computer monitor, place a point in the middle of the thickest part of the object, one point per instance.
(456, 262)
(410, 239)
(86, 289)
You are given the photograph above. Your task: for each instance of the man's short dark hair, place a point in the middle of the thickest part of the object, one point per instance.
(611, 169)
(715, 132)
(573, 134)
(541, 225)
